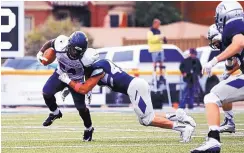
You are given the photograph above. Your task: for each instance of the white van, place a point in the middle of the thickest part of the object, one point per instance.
(138, 57)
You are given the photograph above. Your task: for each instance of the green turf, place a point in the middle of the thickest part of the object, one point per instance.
(114, 133)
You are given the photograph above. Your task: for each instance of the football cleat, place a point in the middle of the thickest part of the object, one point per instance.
(184, 118)
(88, 134)
(186, 131)
(210, 146)
(64, 93)
(227, 126)
(51, 118)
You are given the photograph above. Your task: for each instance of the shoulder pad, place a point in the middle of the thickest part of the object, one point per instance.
(97, 72)
(60, 43)
(90, 56)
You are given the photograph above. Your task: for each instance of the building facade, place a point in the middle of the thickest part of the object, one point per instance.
(200, 12)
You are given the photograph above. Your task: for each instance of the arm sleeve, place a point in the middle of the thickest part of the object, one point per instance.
(47, 45)
(153, 38)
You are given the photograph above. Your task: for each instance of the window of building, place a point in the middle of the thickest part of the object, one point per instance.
(62, 14)
(114, 20)
(28, 23)
(130, 20)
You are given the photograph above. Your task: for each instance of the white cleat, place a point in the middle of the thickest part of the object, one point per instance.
(210, 146)
(184, 118)
(187, 133)
(228, 126)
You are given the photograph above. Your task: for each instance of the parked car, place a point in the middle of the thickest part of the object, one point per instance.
(27, 63)
(19, 63)
(38, 66)
(138, 57)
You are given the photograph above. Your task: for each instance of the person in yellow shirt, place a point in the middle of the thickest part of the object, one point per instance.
(155, 41)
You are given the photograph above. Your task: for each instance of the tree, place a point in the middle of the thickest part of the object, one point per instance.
(146, 11)
(49, 30)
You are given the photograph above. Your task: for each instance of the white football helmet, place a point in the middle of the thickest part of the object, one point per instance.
(214, 37)
(89, 57)
(225, 11)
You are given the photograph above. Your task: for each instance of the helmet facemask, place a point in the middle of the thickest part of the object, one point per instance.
(215, 44)
(74, 52)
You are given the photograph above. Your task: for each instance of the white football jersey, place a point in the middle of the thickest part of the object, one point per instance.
(73, 68)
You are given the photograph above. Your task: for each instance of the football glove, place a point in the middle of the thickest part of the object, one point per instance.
(39, 57)
(64, 78)
(208, 67)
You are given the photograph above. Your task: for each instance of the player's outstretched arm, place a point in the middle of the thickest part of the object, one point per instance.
(235, 47)
(82, 88)
(87, 86)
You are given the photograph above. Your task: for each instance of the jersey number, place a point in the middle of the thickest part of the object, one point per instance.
(114, 68)
(72, 71)
(108, 79)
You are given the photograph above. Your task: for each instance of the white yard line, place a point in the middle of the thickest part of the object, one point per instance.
(123, 137)
(73, 122)
(11, 126)
(108, 146)
(104, 130)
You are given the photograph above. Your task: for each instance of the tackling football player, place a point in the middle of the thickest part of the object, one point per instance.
(69, 53)
(106, 73)
(232, 64)
(230, 23)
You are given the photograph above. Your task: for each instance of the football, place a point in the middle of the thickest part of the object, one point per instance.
(50, 55)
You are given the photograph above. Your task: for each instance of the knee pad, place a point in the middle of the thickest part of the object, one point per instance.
(212, 98)
(140, 121)
(147, 120)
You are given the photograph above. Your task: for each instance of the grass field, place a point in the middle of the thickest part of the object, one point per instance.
(114, 133)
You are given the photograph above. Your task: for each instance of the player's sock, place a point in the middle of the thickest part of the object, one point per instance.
(213, 128)
(85, 115)
(89, 129)
(214, 134)
(56, 112)
(171, 117)
(229, 114)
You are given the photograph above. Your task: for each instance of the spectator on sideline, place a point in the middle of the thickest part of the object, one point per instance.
(155, 41)
(191, 70)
